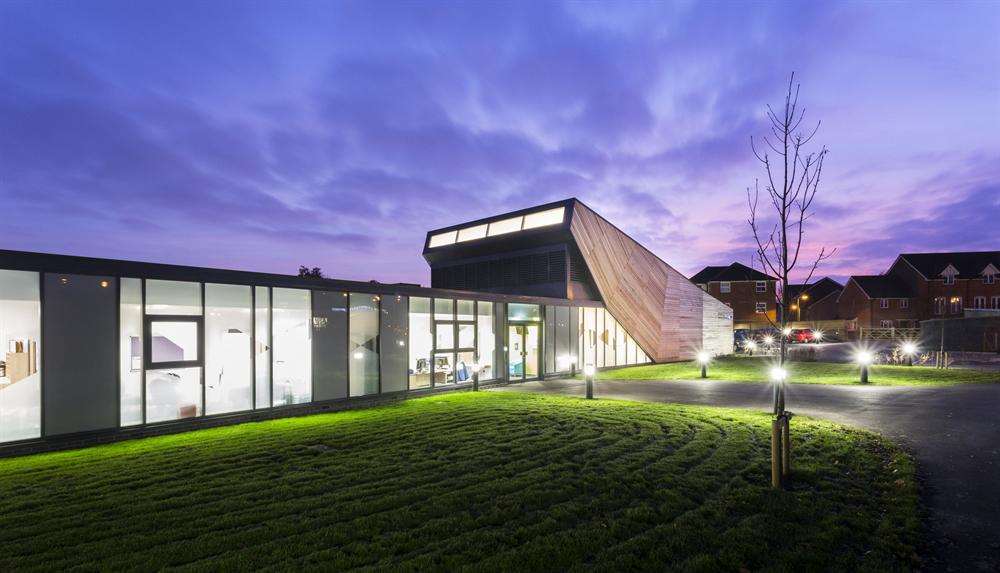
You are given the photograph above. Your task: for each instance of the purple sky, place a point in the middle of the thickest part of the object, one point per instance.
(264, 135)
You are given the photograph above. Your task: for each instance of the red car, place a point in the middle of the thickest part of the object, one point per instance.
(802, 336)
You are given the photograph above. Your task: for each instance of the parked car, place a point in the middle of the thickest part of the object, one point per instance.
(802, 336)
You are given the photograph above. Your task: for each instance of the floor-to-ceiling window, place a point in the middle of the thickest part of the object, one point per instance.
(392, 343)
(486, 340)
(363, 344)
(262, 346)
(130, 340)
(292, 346)
(228, 349)
(173, 349)
(20, 334)
(421, 343)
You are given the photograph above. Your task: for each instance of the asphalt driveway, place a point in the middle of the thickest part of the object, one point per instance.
(954, 433)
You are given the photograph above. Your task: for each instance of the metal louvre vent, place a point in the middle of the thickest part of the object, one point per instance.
(509, 272)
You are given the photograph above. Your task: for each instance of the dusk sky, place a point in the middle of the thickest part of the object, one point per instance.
(264, 135)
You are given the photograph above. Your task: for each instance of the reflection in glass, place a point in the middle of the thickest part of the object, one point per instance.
(465, 311)
(444, 309)
(173, 394)
(173, 297)
(518, 311)
(420, 343)
(292, 351)
(173, 341)
(20, 336)
(363, 345)
(466, 336)
(228, 349)
(486, 340)
(445, 335)
(130, 351)
(262, 346)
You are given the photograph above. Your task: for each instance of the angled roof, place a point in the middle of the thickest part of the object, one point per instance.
(817, 290)
(732, 273)
(882, 286)
(705, 275)
(968, 264)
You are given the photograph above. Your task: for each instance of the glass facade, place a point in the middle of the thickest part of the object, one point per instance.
(130, 338)
(172, 350)
(363, 344)
(190, 349)
(229, 375)
(292, 346)
(262, 347)
(20, 372)
(421, 343)
(486, 340)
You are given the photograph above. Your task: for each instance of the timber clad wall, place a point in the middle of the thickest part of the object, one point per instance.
(660, 308)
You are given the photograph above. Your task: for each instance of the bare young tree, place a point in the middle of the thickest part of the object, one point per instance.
(778, 226)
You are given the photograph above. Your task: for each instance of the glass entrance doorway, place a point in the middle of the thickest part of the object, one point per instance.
(523, 351)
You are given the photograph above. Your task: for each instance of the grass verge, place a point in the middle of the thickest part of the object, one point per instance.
(755, 369)
(491, 481)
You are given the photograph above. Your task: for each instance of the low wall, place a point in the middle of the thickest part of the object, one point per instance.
(973, 334)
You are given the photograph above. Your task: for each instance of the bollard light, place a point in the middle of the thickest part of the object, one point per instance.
(786, 331)
(768, 341)
(588, 371)
(703, 359)
(864, 358)
(817, 335)
(475, 376)
(909, 349)
(750, 346)
(778, 374)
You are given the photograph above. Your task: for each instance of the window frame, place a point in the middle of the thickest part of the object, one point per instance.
(147, 341)
(976, 300)
(995, 302)
(949, 279)
(904, 303)
(989, 279)
(885, 322)
(760, 286)
(883, 303)
(757, 307)
(955, 304)
(940, 305)
(725, 287)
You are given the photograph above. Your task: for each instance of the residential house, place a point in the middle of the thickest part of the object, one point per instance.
(750, 293)
(814, 301)
(921, 286)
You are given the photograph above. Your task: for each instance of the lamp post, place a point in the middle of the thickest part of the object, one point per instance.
(864, 358)
(909, 349)
(588, 371)
(703, 359)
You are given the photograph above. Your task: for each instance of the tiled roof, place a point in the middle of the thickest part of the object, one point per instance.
(882, 286)
(732, 273)
(969, 264)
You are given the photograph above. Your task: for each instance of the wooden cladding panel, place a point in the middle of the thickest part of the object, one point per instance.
(662, 310)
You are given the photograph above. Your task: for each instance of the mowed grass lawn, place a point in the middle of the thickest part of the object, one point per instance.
(486, 481)
(756, 369)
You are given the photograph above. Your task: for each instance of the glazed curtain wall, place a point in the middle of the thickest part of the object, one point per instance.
(191, 349)
(603, 343)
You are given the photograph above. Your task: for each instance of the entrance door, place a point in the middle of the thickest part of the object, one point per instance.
(523, 351)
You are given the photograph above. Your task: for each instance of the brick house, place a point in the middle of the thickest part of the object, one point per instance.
(750, 293)
(814, 301)
(921, 286)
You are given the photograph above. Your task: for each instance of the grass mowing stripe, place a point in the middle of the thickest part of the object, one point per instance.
(487, 481)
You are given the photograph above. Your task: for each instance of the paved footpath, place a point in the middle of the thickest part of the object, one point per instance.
(954, 433)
